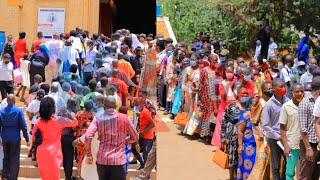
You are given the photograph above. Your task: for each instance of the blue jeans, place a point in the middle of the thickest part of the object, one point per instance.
(145, 146)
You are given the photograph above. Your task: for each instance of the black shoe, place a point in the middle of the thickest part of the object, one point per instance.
(141, 167)
(133, 162)
(30, 154)
(171, 116)
(165, 113)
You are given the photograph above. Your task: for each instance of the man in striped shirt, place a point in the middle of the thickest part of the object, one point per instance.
(112, 129)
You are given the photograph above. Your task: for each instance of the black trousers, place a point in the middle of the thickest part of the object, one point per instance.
(6, 87)
(111, 172)
(68, 155)
(11, 160)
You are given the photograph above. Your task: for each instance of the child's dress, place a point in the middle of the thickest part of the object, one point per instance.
(24, 68)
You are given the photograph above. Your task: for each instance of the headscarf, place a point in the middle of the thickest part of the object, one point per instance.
(73, 104)
(301, 43)
(135, 41)
(45, 47)
(85, 90)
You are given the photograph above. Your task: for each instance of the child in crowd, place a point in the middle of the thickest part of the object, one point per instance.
(24, 68)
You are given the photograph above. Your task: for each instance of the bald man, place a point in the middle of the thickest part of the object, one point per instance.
(111, 158)
(11, 123)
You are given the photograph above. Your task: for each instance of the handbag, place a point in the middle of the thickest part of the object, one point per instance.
(220, 157)
(17, 76)
(192, 125)
(182, 119)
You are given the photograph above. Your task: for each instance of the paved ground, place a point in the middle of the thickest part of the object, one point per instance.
(180, 158)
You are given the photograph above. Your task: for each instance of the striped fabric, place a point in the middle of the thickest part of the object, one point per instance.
(112, 130)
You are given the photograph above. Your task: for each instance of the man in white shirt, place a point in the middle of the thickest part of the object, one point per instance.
(273, 49)
(70, 54)
(290, 131)
(258, 50)
(286, 73)
(307, 76)
(6, 76)
(89, 64)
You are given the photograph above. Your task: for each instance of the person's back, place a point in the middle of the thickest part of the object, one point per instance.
(21, 45)
(51, 131)
(10, 118)
(37, 43)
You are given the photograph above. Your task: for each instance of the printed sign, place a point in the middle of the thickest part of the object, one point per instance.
(50, 21)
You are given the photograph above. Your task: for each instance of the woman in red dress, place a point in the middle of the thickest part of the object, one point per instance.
(20, 48)
(49, 152)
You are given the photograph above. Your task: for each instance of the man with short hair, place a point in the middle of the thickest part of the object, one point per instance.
(271, 126)
(6, 76)
(307, 76)
(289, 130)
(308, 116)
(286, 73)
(11, 123)
(36, 43)
(111, 158)
(89, 64)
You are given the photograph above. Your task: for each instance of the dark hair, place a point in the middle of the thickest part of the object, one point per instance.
(95, 36)
(144, 92)
(37, 77)
(275, 81)
(73, 33)
(263, 86)
(128, 42)
(160, 43)
(22, 35)
(84, 35)
(41, 93)
(47, 108)
(74, 68)
(25, 56)
(74, 77)
(46, 88)
(40, 34)
(315, 84)
(104, 82)
(100, 90)
(92, 84)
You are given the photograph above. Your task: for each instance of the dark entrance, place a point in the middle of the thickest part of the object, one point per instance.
(138, 16)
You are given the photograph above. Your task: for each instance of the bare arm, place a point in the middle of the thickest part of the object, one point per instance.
(318, 128)
(241, 129)
(284, 140)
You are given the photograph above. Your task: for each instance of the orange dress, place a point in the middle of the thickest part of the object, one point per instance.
(49, 153)
(20, 50)
(84, 119)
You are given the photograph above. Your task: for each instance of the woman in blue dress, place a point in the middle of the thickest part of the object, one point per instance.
(246, 145)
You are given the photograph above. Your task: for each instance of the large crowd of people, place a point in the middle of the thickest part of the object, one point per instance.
(79, 86)
(245, 106)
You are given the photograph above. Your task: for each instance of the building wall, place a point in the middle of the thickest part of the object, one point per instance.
(13, 19)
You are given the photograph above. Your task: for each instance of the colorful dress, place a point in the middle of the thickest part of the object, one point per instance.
(150, 72)
(49, 152)
(20, 50)
(84, 119)
(247, 159)
(229, 132)
(188, 77)
(227, 96)
(208, 96)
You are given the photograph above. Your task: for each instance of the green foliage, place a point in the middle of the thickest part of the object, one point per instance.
(240, 24)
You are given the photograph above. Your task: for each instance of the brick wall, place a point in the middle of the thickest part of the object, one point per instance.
(84, 13)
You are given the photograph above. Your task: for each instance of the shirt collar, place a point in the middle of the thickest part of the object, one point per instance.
(276, 101)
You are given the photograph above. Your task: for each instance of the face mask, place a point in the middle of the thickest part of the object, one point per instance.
(259, 69)
(222, 58)
(271, 42)
(229, 76)
(299, 99)
(6, 62)
(169, 53)
(312, 66)
(221, 43)
(300, 72)
(282, 91)
(244, 99)
(193, 63)
(258, 43)
(248, 77)
(268, 93)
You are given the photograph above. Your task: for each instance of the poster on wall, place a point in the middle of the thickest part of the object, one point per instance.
(50, 21)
